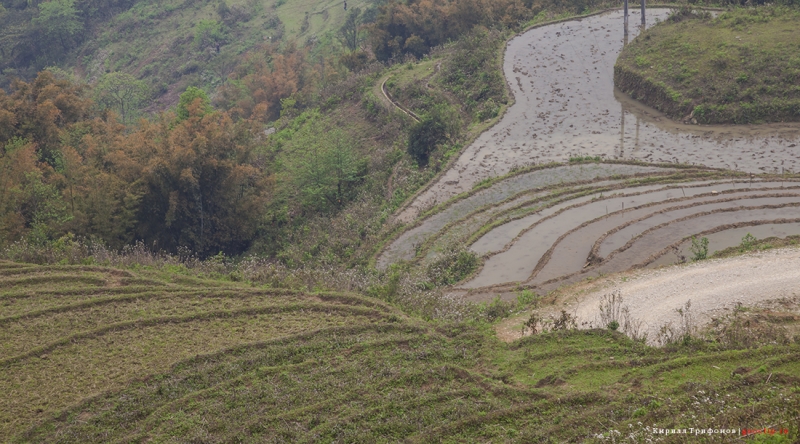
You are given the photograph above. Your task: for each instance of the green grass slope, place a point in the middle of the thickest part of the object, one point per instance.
(93, 354)
(741, 67)
(155, 40)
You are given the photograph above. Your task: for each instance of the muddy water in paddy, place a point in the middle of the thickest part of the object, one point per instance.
(498, 238)
(730, 238)
(643, 249)
(562, 79)
(518, 262)
(403, 247)
(620, 238)
(661, 238)
(571, 253)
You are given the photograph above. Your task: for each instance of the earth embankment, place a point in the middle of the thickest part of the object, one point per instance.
(734, 68)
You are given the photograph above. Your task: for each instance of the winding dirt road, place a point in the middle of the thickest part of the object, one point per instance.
(714, 288)
(566, 105)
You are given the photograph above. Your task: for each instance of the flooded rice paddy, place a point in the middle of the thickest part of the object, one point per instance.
(517, 260)
(727, 239)
(566, 105)
(404, 247)
(559, 225)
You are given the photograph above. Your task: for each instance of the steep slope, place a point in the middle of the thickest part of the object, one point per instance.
(93, 354)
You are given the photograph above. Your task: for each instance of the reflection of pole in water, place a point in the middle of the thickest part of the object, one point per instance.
(636, 142)
(626, 21)
(622, 133)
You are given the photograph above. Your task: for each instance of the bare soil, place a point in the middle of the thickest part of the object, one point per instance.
(715, 287)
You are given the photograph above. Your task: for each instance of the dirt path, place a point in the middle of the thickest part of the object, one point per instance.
(714, 287)
(380, 92)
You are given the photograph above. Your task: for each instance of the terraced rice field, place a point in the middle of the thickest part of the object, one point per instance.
(534, 231)
(92, 354)
(561, 77)
(509, 193)
(62, 327)
(599, 236)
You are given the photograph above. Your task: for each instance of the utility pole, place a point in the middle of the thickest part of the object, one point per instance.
(643, 21)
(622, 133)
(626, 18)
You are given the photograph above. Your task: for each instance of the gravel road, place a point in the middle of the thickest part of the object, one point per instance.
(713, 286)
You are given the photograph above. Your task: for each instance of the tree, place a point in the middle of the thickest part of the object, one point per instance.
(415, 46)
(59, 19)
(40, 111)
(42, 208)
(349, 31)
(102, 194)
(322, 166)
(263, 80)
(223, 66)
(188, 98)
(200, 188)
(440, 124)
(209, 33)
(17, 158)
(122, 93)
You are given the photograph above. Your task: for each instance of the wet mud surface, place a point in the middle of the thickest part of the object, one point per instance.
(566, 105)
(727, 239)
(572, 252)
(618, 239)
(644, 247)
(518, 261)
(403, 248)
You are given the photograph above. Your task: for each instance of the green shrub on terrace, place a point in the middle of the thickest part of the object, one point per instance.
(440, 125)
(452, 267)
(699, 248)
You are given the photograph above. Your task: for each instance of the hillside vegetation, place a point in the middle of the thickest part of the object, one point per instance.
(246, 167)
(739, 67)
(168, 44)
(188, 231)
(93, 354)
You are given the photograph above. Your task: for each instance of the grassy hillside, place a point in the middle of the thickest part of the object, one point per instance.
(94, 354)
(157, 41)
(740, 67)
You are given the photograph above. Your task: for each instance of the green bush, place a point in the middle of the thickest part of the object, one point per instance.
(526, 298)
(699, 248)
(497, 309)
(748, 241)
(440, 124)
(452, 267)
